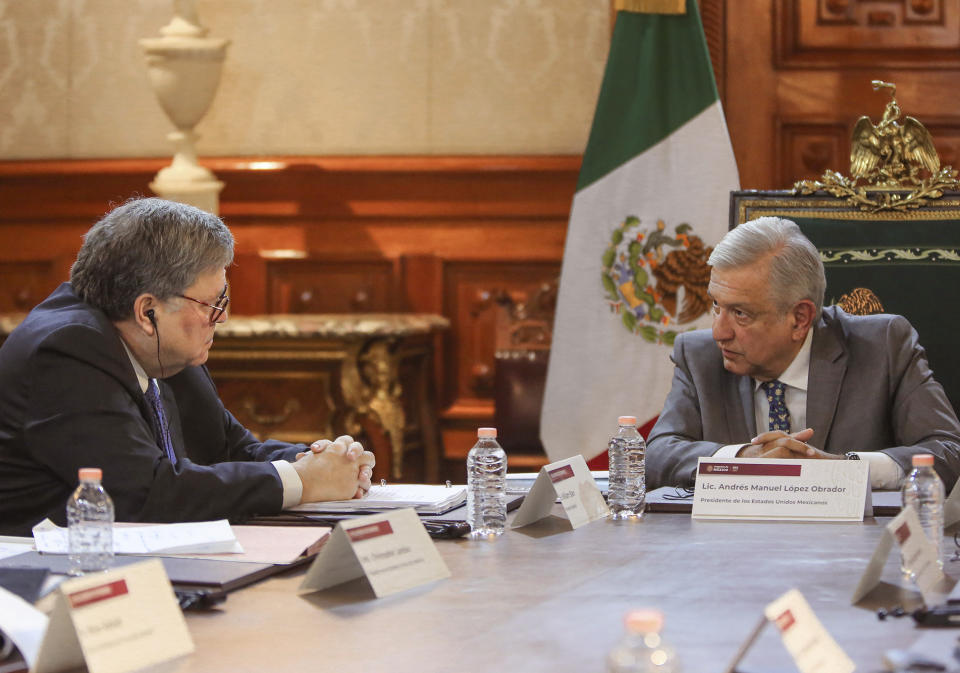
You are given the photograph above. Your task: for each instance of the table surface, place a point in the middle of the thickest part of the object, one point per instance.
(548, 598)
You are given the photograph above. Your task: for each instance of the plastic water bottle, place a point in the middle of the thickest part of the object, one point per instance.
(642, 649)
(486, 485)
(923, 491)
(90, 524)
(628, 489)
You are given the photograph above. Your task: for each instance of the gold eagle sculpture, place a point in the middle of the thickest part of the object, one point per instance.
(891, 153)
(893, 165)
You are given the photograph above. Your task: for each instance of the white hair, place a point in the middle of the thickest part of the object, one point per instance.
(796, 271)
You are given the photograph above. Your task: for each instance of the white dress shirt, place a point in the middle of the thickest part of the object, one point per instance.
(885, 473)
(289, 479)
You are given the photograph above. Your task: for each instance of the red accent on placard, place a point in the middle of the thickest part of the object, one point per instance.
(372, 530)
(902, 533)
(750, 469)
(561, 473)
(96, 594)
(785, 621)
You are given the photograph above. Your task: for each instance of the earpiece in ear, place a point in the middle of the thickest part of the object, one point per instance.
(151, 316)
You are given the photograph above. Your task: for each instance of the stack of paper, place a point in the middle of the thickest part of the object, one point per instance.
(423, 498)
(201, 537)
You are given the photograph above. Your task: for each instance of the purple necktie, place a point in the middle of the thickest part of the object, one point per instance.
(153, 396)
(779, 417)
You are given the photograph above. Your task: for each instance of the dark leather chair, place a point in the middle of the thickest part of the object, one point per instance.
(523, 332)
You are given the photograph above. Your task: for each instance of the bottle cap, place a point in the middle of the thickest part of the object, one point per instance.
(922, 460)
(92, 473)
(487, 433)
(647, 620)
(627, 420)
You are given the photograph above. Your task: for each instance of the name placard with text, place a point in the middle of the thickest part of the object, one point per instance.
(809, 643)
(777, 489)
(116, 621)
(393, 550)
(918, 555)
(570, 481)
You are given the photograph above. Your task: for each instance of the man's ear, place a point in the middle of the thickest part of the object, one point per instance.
(144, 313)
(803, 312)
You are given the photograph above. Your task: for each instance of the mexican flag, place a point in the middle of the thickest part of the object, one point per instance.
(652, 200)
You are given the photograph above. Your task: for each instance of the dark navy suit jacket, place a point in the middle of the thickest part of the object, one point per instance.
(69, 398)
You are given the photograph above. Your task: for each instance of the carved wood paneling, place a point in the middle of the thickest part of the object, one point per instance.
(808, 149)
(332, 286)
(841, 33)
(795, 65)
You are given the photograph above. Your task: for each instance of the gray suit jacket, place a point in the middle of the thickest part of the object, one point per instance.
(869, 389)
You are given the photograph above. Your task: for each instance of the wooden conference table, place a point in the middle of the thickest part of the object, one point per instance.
(547, 598)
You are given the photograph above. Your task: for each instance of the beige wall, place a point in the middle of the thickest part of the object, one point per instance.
(320, 77)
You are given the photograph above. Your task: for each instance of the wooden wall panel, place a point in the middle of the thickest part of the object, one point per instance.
(798, 76)
(889, 33)
(808, 149)
(341, 285)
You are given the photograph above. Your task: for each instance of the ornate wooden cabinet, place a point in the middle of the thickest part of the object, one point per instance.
(306, 377)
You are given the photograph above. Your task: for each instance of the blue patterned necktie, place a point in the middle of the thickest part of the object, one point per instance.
(779, 417)
(153, 396)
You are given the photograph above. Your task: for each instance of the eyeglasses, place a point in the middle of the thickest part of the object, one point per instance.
(217, 309)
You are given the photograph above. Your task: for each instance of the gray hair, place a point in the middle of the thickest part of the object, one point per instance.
(796, 271)
(147, 245)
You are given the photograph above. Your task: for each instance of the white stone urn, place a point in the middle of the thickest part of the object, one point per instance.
(184, 67)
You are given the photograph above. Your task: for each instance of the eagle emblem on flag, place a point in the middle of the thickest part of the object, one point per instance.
(655, 279)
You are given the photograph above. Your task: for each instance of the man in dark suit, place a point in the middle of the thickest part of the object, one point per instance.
(108, 372)
(779, 376)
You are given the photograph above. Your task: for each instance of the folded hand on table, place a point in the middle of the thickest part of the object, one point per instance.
(779, 444)
(335, 470)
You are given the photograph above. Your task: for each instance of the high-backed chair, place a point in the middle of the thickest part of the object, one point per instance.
(523, 333)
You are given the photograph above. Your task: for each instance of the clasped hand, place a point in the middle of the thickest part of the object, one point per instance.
(779, 444)
(335, 470)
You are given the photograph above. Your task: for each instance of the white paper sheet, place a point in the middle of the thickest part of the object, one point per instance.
(201, 537)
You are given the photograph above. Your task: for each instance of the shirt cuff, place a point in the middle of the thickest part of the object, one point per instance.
(292, 485)
(728, 451)
(885, 473)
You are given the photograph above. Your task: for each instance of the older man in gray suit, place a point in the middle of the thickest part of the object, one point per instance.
(779, 376)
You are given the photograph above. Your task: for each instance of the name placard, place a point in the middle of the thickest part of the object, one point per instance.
(116, 621)
(392, 550)
(812, 647)
(809, 643)
(919, 557)
(570, 481)
(792, 490)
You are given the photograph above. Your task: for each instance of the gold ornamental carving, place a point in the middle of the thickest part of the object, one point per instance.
(371, 387)
(860, 301)
(893, 165)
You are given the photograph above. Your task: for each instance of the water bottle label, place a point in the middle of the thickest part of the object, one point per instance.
(569, 481)
(392, 550)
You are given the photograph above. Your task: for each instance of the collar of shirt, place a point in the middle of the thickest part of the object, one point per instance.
(142, 377)
(798, 371)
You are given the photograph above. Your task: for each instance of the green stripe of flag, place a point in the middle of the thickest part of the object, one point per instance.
(658, 77)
